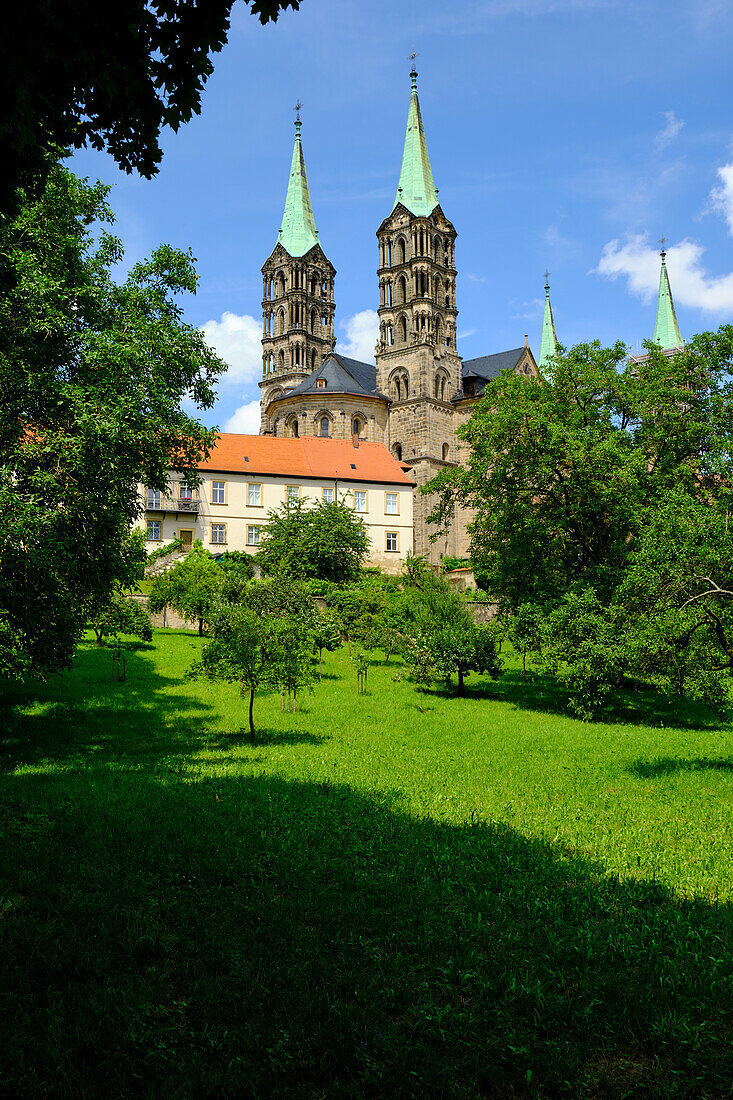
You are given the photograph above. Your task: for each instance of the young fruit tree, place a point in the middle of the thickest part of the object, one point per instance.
(190, 587)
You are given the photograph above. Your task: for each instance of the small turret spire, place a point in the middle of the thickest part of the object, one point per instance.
(416, 189)
(298, 231)
(666, 330)
(548, 344)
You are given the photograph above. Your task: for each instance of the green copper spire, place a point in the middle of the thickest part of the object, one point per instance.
(416, 189)
(666, 329)
(548, 344)
(298, 231)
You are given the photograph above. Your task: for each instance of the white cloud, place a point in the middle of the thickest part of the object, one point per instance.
(637, 262)
(238, 341)
(721, 198)
(245, 420)
(670, 130)
(466, 333)
(362, 332)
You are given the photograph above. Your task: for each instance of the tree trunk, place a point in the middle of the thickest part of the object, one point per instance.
(251, 719)
(201, 628)
(460, 681)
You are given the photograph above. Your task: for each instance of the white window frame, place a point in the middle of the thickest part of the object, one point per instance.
(327, 499)
(251, 485)
(154, 523)
(185, 492)
(218, 542)
(216, 488)
(154, 500)
(365, 494)
(396, 510)
(392, 535)
(254, 532)
(292, 492)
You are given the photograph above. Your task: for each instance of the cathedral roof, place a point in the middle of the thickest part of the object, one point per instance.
(666, 329)
(341, 375)
(487, 367)
(298, 231)
(416, 189)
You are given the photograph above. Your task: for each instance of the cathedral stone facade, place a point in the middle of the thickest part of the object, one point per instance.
(419, 390)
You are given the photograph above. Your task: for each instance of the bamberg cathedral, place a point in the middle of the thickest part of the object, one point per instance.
(420, 390)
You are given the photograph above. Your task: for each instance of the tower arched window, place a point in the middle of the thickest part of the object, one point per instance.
(281, 360)
(294, 429)
(356, 427)
(401, 290)
(406, 386)
(388, 289)
(445, 452)
(403, 329)
(397, 388)
(398, 451)
(325, 427)
(401, 250)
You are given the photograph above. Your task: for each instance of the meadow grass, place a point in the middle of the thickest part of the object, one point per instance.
(487, 899)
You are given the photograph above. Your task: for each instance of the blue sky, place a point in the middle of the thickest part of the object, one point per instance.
(568, 134)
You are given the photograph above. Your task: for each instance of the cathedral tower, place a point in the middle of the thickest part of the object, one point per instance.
(298, 301)
(418, 366)
(666, 329)
(548, 343)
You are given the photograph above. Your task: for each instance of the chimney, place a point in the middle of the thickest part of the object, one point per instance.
(526, 340)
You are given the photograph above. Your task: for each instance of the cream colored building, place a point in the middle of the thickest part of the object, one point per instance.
(247, 476)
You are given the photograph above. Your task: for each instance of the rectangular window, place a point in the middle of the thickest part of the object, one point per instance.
(184, 492)
(320, 383)
(218, 492)
(153, 530)
(253, 536)
(391, 504)
(360, 500)
(254, 496)
(219, 532)
(292, 493)
(328, 496)
(392, 542)
(154, 499)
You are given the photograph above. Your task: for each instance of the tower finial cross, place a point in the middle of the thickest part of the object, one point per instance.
(411, 58)
(547, 276)
(296, 108)
(662, 241)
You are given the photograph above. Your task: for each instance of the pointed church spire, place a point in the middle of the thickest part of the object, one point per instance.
(298, 231)
(548, 344)
(416, 189)
(666, 329)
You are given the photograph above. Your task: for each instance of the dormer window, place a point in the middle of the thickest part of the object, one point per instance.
(320, 383)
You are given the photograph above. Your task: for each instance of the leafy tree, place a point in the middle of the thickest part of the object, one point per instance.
(326, 635)
(602, 496)
(243, 649)
(77, 72)
(420, 660)
(92, 374)
(121, 615)
(191, 587)
(263, 642)
(323, 540)
(526, 631)
(463, 647)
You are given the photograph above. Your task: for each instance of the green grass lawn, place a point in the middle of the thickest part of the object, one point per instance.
(488, 899)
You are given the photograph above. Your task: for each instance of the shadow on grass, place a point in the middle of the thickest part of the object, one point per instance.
(242, 936)
(229, 738)
(540, 692)
(669, 765)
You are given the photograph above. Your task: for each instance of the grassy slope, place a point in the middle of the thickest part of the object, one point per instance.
(488, 899)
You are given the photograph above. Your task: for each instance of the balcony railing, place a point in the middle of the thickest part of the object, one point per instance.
(156, 502)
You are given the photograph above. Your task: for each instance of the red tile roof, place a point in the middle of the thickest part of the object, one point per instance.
(307, 456)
